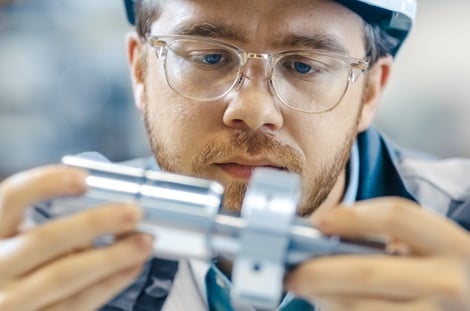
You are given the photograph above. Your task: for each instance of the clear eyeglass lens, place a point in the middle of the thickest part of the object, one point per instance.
(310, 83)
(201, 70)
(307, 82)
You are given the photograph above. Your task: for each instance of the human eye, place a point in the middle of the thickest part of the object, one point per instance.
(203, 55)
(304, 66)
(211, 58)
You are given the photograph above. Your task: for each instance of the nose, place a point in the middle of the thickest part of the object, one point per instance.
(252, 104)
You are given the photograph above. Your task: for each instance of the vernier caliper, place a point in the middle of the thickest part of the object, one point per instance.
(185, 214)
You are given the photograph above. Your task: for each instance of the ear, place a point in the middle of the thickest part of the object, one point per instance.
(135, 52)
(378, 77)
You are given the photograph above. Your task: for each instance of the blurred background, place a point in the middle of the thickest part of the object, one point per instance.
(64, 85)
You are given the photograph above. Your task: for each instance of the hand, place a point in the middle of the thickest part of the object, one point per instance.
(54, 266)
(435, 275)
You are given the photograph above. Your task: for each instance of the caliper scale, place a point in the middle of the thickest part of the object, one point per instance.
(186, 216)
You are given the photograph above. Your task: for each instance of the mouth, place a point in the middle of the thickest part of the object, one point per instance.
(243, 169)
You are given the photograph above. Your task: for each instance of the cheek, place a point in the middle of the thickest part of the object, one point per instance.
(168, 122)
(316, 135)
(172, 112)
(177, 125)
(322, 136)
(171, 120)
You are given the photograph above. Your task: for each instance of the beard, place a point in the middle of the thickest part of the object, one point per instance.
(254, 143)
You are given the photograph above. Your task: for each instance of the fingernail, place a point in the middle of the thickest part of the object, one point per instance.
(289, 282)
(131, 215)
(144, 242)
(75, 179)
(321, 219)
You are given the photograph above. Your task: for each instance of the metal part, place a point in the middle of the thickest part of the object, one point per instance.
(184, 212)
(269, 208)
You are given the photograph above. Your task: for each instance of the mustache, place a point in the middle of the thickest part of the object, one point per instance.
(253, 143)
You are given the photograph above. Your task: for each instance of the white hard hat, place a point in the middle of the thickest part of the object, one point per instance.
(394, 17)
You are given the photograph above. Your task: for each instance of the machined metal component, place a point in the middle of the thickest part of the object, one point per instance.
(185, 214)
(269, 209)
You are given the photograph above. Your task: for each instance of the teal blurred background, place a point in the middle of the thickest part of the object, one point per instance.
(64, 85)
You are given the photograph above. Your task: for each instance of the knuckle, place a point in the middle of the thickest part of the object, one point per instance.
(393, 214)
(94, 221)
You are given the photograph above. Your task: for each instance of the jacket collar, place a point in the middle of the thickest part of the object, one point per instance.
(379, 176)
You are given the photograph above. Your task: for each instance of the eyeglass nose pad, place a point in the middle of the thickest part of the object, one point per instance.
(241, 78)
(354, 74)
(160, 51)
(239, 83)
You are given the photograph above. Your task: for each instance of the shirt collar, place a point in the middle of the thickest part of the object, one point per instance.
(353, 176)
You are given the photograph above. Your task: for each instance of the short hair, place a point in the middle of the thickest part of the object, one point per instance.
(376, 42)
(146, 12)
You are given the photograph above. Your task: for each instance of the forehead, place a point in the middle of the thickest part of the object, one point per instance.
(263, 23)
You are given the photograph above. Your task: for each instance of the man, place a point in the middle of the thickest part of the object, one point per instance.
(227, 86)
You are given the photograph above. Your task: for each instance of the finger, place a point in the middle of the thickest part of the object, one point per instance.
(37, 246)
(98, 294)
(73, 274)
(424, 231)
(393, 278)
(334, 303)
(27, 188)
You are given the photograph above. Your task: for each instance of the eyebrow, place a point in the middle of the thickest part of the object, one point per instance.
(217, 31)
(324, 42)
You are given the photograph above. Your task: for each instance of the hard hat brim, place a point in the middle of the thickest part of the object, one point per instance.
(394, 17)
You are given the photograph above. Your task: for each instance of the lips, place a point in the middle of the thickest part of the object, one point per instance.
(242, 169)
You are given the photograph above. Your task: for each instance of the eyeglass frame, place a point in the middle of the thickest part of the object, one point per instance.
(356, 65)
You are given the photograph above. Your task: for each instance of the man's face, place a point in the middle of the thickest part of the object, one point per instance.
(226, 139)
